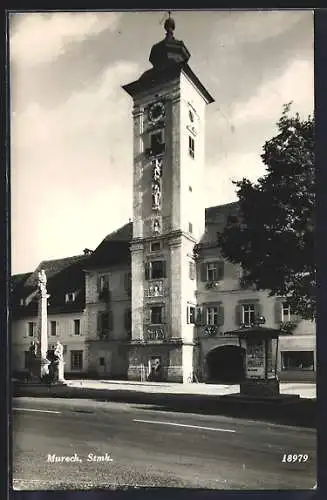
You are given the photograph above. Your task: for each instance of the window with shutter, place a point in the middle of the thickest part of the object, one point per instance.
(238, 314)
(190, 315)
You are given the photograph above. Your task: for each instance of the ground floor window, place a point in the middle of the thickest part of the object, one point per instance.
(76, 360)
(101, 361)
(297, 360)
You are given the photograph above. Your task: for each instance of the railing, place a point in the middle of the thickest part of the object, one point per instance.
(155, 333)
(156, 289)
(212, 285)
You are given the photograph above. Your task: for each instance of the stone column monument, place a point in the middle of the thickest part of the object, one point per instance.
(59, 363)
(43, 296)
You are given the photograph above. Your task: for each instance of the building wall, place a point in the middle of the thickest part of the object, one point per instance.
(113, 348)
(65, 334)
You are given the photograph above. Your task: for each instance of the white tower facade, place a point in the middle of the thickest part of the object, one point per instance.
(169, 105)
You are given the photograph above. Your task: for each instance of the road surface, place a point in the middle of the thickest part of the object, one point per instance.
(118, 445)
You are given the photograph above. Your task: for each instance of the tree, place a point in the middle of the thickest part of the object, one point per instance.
(273, 237)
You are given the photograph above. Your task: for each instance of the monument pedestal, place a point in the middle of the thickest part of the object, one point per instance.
(260, 387)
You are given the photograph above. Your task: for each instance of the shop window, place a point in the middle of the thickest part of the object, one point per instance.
(297, 360)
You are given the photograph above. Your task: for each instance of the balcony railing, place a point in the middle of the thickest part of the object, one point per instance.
(156, 289)
(155, 333)
(212, 285)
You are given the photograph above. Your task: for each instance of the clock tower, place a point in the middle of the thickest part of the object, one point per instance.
(168, 211)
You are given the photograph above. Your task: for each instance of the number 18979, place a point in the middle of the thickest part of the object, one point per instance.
(297, 457)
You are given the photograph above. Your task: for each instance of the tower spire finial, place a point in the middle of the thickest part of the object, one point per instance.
(169, 26)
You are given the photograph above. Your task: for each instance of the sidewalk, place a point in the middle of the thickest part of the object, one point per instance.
(305, 390)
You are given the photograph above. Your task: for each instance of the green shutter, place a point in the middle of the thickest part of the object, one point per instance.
(238, 314)
(204, 271)
(147, 270)
(278, 311)
(220, 270)
(221, 315)
(258, 310)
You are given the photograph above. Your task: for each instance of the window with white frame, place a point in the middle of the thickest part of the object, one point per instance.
(191, 317)
(155, 246)
(248, 314)
(70, 297)
(212, 271)
(31, 328)
(76, 360)
(286, 312)
(156, 315)
(53, 328)
(212, 315)
(77, 327)
(155, 269)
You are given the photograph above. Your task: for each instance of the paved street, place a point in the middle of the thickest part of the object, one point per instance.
(145, 447)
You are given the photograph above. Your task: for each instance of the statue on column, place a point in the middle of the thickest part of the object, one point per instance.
(156, 226)
(156, 195)
(42, 281)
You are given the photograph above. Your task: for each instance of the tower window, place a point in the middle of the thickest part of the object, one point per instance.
(191, 146)
(155, 269)
(157, 142)
(190, 227)
(156, 315)
(190, 189)
(77, 327)
(155, 246)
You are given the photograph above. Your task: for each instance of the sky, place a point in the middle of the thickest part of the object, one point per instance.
(71, 123)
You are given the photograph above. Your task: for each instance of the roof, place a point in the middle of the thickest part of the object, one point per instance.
(113, 250)
(154, 76)
(63, 276)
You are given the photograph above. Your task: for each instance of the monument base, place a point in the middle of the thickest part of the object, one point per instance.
(260, 387)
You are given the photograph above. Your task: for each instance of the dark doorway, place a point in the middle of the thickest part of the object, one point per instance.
(226, 364)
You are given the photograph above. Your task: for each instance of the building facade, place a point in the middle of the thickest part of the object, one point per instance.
(156, 300)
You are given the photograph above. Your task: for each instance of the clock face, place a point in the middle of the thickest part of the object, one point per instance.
(156, 111)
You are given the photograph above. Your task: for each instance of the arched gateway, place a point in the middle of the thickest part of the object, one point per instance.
(226, 364)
